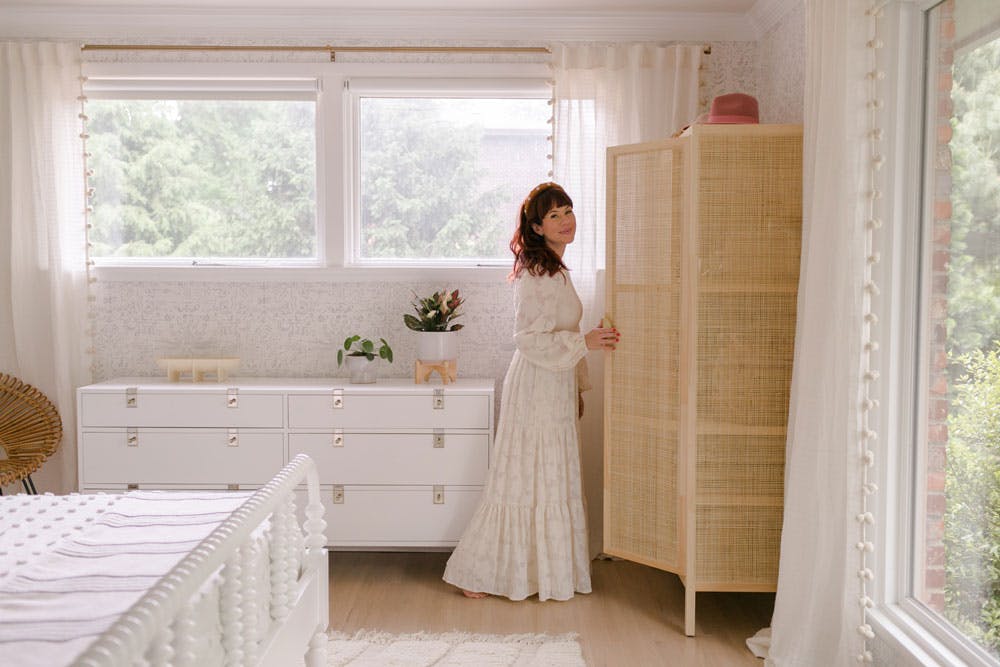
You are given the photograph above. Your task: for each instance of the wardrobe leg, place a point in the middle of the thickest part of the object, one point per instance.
(689, 594)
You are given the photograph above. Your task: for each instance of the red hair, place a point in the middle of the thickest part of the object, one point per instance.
(531, 252)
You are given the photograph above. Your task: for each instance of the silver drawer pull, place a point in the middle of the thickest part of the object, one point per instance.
(338, 399)
(233, 439)
(132, 397)
(132, 437)
(233, 397)
(338, 494)
(439, 438)
(338, 438)
(439, 399)
(131, 486)
(439, 495)
(233, 487)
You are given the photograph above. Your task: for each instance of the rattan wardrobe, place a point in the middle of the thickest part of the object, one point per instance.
(703, 240)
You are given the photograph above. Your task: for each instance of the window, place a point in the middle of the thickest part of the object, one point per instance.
(938, 579)
(442, 166)
(956, 546)
(203, 172)
(344, 168)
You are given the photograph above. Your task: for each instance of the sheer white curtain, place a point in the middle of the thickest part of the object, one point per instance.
(43, 289)
(816, 612)
(606, 95)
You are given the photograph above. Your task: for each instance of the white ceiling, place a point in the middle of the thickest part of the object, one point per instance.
(391, 20)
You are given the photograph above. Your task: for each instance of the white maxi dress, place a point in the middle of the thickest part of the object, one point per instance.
(529, 533)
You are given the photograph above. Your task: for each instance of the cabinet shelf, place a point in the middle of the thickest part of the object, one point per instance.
(758, 289)
(718, 428)
(729, 500)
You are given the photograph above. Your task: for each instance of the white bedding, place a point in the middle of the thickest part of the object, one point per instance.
(71, 565)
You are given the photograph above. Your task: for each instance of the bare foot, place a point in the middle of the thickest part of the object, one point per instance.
(473, 595)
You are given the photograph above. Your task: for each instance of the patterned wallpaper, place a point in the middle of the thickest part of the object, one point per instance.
(286, 329)
(772, 70)
(732, 67)
(782, 69)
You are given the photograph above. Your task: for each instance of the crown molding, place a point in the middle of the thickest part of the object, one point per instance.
(152, 23)
(766, 14)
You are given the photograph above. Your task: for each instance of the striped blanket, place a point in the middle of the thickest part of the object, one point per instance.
(71, 565)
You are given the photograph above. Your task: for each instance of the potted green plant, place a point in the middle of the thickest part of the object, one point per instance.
(360, 353)
(435, 321)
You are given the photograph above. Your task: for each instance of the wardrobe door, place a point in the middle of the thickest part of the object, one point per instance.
(749, 210)
(645, 212)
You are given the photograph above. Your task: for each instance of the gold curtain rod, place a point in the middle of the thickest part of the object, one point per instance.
(332, 50)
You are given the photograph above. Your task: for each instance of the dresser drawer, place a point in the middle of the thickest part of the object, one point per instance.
(388, 411)
(195, 409)
(395, 516)
(166, 456)
(395, 458)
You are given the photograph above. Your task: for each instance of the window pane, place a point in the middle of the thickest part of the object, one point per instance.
(203, 178)
(443, 178)
(958, 559)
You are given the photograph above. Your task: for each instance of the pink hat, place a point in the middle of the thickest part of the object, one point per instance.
(733, 108)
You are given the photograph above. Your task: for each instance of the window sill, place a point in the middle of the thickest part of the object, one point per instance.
(910, 642)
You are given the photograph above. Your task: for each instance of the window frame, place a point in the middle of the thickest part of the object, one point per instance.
(356, 88)
(126, 83)
(334, 155)
(906, 626)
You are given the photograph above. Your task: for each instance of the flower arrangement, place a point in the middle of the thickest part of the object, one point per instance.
(436, 312)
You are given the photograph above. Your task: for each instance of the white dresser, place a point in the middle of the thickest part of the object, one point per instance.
(401, 464)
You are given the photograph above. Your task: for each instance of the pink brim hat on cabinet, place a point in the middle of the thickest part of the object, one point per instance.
(733, 108)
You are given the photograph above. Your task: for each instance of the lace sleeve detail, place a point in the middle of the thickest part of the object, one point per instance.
(536, 304)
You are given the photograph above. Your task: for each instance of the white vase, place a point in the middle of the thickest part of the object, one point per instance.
(362, 370)
(437, 345)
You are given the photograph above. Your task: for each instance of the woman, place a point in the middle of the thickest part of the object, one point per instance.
(529, 533)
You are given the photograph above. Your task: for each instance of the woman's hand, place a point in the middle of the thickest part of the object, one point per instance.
(602, 338)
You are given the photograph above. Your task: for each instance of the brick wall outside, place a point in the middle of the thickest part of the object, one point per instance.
(937, 403)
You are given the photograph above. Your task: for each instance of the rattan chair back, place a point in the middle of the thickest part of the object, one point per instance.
(30, 429)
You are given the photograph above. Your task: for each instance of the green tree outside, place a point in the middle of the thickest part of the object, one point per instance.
(189, 178)
(423, 191)
(440, 178)
(972, 479)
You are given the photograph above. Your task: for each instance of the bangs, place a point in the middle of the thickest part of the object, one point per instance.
(550, 199)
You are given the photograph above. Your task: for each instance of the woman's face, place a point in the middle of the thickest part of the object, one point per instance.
(558, 228)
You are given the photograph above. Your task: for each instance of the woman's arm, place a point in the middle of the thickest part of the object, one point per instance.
(536, 303)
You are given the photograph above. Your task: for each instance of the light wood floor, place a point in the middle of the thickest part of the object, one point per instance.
(634, 617)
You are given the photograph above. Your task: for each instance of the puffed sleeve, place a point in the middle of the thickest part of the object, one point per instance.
(536, 304)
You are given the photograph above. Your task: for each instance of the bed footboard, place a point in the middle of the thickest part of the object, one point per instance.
(161, 627)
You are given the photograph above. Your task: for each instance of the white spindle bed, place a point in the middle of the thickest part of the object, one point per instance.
(240, 581)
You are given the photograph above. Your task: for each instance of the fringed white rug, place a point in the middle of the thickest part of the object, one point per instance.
(369, 648)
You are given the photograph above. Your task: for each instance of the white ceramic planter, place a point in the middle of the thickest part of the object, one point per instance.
(362, 371)
(437, 345)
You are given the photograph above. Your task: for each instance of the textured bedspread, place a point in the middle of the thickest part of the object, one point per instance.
(71, 565)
